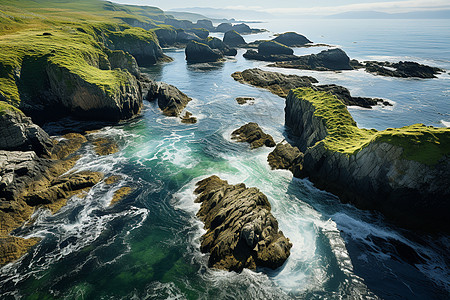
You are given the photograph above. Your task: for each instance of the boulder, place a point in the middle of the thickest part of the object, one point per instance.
(19, 133)
(242, 28)
(198, 52)
(274, 48)
(292, 39)
(241, 232)
(252, 54)
(287, 157)
(170, 99)
(253, 134)
(216, 43)
(224, 27)
(233, 39)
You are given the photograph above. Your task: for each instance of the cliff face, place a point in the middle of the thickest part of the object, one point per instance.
(379, 171)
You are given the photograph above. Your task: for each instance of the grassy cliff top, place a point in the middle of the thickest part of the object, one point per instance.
(71, 34)
(424, 144)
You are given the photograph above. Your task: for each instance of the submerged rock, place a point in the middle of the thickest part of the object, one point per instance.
(244, 100)
(286, 157)
(292, 39)
(241, 232)
(233, 39)
(327, 60)
(253, 134)
(252, 54)
(170, 99)
(198, 52)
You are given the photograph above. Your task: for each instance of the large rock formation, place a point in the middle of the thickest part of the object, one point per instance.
(292, 39)
(240, 230)
(327, 60)
(233, 39)
(184, 37)
(280, 84)
(253, 134)
(170, 99)
(200, 32)
(404, 173)
(198, 52)
(17, 132)
(166, 36)
(215, 43)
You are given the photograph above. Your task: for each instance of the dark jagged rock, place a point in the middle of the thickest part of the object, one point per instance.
(200, 32)
(198, 52)
(18, 133)
(188, 118)
(170, 99)
(344, 95)
(252, 54)
(253, 134)
(241, 232)
(402, 69)
(224, 27)
(233, 39)
(327, 60)
(292, 39)
(286, 157)
(280, 84)
(216, 43)
(274, 48)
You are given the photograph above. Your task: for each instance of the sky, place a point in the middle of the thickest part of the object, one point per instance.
(317, 7)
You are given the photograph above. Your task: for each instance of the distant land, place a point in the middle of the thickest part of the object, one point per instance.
(222, 15)
(437, 14)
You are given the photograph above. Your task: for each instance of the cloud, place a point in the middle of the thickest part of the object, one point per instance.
(388, 7)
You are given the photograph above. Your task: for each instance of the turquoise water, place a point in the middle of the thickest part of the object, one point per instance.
(147, 246)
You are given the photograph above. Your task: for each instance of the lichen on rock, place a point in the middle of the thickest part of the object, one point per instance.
(253, 134)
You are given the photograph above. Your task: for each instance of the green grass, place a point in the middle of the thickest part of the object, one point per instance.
(424, 144)
(5, 107)
(80, 30)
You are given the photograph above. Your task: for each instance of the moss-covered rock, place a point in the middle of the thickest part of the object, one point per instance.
(233, 39)
(241, 232)
(403, 172)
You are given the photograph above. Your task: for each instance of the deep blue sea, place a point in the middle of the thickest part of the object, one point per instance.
(147, 245)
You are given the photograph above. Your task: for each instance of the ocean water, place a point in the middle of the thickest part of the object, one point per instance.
(147, 245)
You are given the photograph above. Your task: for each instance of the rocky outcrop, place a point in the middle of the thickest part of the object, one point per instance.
(401, 172)
(233, 39)
(244, 100)
(166, 36)
(402, 69)
(292, 39)
(224, 27)
(286, 157)
(241, 232)
(207, 24)
(327, 60)
(188, 118)
(17, 132)
(170, 99)
(240, 28)
(198, 52)
(253, 134)
(252, 54)
(200, 32)
(280, 84)
(274, 48)
(28, 182)
(215, 43)
(184, 37)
